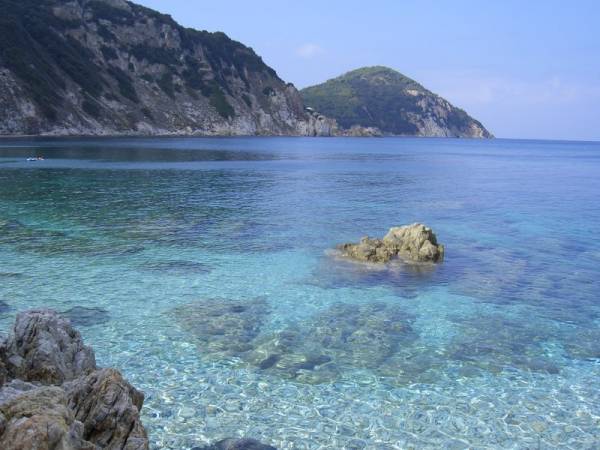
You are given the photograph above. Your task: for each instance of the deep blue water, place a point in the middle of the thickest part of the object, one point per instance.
(209, 264)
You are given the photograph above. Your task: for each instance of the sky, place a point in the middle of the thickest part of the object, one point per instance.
(525, 69)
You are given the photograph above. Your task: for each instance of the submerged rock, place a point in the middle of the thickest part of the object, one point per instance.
(4, 307)
(52, 396)
(177, 267)
(11, 275)
(416, 243)
(84, 316)
(340, 338)
(223, 326)
(494, 344)
(237, 444)
(344, 336)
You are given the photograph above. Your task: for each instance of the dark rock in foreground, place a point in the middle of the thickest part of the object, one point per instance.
(52, 395)
(414, 243)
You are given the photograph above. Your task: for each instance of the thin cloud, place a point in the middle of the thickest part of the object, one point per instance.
(473, 88)
(309, 50)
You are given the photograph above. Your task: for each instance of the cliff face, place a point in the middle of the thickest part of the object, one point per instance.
(383, 98)
(113, 67)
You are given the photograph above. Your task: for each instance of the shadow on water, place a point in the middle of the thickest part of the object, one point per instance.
(335, 272)
(125, 153)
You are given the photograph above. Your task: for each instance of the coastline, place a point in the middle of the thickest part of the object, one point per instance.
(187, 135)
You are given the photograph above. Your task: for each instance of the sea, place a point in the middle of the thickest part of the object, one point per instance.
(206, 271)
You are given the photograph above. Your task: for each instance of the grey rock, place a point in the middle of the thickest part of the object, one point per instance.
(412, 243)
(44, 347)
(109, 408)
(87, 409)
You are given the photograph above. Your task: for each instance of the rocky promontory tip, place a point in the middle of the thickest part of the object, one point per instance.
(412, 243)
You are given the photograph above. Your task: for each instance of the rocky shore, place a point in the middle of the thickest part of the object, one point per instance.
(53, 396)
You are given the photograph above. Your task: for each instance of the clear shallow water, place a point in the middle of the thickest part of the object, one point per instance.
(208, 263)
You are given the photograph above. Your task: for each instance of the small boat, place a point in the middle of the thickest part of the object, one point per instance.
(37, 158)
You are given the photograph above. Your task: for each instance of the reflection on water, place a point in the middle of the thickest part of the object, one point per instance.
(203, 269)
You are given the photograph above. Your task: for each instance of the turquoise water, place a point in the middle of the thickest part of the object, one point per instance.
(206, 269)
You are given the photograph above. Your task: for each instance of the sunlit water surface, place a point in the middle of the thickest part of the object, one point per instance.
(207, 271)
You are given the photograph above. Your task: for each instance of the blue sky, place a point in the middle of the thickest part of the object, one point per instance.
(526, 69)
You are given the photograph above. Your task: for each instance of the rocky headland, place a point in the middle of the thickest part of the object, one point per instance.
(411, 243)
(382, 99)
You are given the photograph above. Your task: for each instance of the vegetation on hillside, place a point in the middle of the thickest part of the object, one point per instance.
(38, 48)
(383, 98)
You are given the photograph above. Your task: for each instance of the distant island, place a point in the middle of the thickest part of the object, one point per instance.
(381, 98)
(111, 67)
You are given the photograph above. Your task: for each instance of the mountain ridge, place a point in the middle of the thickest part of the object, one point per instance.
(377, 96)
(112, 67)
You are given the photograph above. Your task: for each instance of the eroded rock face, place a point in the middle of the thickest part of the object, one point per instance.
(44, 347)
(414, 243)
(52, 396)
(108, 406)
(39, 418)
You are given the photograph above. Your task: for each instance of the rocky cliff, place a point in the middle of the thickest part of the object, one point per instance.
(102, 67)
(382, 98)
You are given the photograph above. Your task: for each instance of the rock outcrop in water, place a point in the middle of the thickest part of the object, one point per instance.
(111, 67)
(53, 396)
(415, 243)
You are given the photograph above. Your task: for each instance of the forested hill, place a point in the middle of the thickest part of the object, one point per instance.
(383, 98)
(114, 67)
